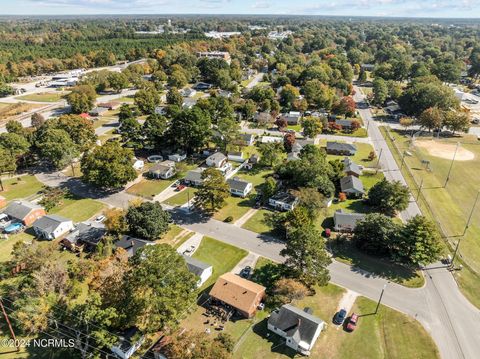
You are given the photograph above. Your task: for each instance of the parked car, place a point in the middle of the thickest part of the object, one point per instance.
(100, 218)
(352, 322)
(339, 317)
(180, 187)
(189, 250)
(176, 183)
(246, 272)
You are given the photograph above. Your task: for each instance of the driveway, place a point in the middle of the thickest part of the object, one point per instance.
(249, 260)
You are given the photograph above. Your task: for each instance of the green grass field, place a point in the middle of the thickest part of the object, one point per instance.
(43, 96)
(361, 157)
(448, 206)
(20, 187)
(148, 188)
(78, 210)
(257, 223)
(182, 197)
(6, 245)
(389, 334)
(222, 256)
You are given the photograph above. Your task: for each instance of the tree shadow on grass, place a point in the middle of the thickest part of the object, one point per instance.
(369, 265)
(277, 343)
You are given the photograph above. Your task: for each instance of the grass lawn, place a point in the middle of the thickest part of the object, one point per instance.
(222, 256)
(389, 334)
(235, 207)
(6, 245)
(297, 128)
(20, 187)
(128, 99)
(148, 188)
(68, 171)
(182, 197)
(78, 210)
(257, 223)
(360, 132)
(43, 96)
(171, 234)
(448, 206)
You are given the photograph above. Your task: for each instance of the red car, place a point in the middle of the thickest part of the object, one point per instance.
(352, 322)
(180, 187)
(328, 232)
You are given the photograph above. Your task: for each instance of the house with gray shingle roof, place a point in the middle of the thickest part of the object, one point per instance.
(340, 148)
(202, 270)
(239, 187)
(299, 327)
(194, 177)
(352, 186)
(350, 168)
(345, 221)
(25, 212)
(52, 226)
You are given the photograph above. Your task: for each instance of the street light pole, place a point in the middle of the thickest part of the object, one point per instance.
(380, 299)
(451, 165)
(419, 189)
(465, 229)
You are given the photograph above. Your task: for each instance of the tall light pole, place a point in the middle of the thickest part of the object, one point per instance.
(451, 165)
(465, 229)
(380, 299)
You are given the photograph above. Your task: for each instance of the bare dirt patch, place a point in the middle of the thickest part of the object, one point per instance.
(446, 150)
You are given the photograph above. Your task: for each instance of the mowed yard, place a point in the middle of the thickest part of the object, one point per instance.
(43, 96)
(450, 205)
(20, 187)
(77, 209)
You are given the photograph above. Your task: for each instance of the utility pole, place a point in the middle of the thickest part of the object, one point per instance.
(379, 157)
(419, 190)
(451, 165)
(9, 325)
(380, 299)
(465, 229)
(403, 159)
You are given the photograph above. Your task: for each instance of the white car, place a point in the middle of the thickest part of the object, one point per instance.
(100, 219)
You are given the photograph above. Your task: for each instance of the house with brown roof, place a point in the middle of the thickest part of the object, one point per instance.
(239, 293)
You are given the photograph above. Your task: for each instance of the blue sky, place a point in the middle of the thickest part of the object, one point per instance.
(410, 8)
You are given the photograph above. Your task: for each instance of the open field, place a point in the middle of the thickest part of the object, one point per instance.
(43, 96)
(222, 256)
(20, 187)
(182, 197)
(13, 109)
(6, 245)
(148, 188)
(257, 222)
(78, 210)
(449, 206)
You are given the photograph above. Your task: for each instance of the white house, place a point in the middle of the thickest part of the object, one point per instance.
(299, 327)
(163, 170)
(220, 161)
(346, 222)
(283, 201)
(292, 118)
(52, 226)
(194, 177)
(188, 92)
(236, 156)
(271, 139)
(239, 187)
(202, 270)
(129, 342)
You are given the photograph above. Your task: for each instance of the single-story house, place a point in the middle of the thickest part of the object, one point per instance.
(177, 157)
(239, 187)
(243, 295)
(188, 92)
(235, 156)
(339, 148)
(367, 67)
(86, 234)
(112, 105)
(352, 186)
(189, 102)
(52, 226)
(216, 160)
(25, 212)
(346, 124)
(247, 139)
(97, 111)
(292, 118)
(346, 222)
(132, 244)
(194, 177)
(202, 86)
(350, 168)
(283, 201)
(299, 327)
(392, 107)
(202, 270)
(129, 342)
(271, 139)
(163, 170)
